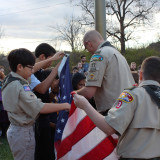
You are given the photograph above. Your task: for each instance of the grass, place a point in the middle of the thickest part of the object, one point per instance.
(5, 152)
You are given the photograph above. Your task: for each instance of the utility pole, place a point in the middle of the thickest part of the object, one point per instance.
(100, 17)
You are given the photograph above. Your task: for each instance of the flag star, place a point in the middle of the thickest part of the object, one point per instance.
(63, 86)
(64, 97)
(58, 130)
(62, 120)
(63, 76)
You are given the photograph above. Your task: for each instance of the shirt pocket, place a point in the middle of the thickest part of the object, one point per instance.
(93, 72)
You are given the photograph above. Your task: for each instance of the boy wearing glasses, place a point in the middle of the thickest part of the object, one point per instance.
(22, 105)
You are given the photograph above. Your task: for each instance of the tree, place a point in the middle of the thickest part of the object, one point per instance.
(4, 62)
(70, 31)
(123, 16)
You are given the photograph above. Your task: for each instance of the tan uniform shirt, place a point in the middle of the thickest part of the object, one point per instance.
(20, 103)
(109, 71)
(137, 119)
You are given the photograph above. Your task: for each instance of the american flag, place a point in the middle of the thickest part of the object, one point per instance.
(80, 139)
(64, 96)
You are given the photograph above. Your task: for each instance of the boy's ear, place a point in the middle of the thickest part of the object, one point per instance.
(42, 57)
(19, 67)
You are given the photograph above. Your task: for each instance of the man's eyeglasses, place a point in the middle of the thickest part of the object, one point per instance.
(85, 44)
(31, 67)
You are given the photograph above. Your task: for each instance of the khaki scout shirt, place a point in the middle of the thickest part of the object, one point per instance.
(137, 119)
(109, 71)
(20, 103)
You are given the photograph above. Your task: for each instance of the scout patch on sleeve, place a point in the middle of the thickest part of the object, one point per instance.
(96, 58)
(92, 67)
(119, 104)
(26, 88)
(126, 97)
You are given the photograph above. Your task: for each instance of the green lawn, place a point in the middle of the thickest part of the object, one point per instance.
(5, 152)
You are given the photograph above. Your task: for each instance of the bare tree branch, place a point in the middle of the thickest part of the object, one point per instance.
(70, 33)
(126, 13)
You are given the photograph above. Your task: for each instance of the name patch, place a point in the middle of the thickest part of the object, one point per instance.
(26, 88)
(126, 97)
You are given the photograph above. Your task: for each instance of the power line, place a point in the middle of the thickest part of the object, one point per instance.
(33, 9)
(24, 4)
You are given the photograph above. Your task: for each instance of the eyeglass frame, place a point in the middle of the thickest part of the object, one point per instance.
(31, 67)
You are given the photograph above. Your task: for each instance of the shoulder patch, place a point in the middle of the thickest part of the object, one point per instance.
(126, 97)
(26, 88)
(96, 58)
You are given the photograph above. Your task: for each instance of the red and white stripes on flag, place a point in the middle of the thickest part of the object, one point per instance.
(82, 140)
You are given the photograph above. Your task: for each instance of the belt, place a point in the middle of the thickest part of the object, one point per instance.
(157, 158)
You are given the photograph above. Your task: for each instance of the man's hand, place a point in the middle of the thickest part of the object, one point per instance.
(2, 76)
(58, 55)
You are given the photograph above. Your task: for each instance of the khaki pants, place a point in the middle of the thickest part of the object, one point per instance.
(22, 142)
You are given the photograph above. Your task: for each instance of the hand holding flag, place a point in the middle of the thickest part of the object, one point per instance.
(82, 140)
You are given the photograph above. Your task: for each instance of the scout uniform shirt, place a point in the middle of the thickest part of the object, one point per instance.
(136, 117)
(20, 102)
(110, 73)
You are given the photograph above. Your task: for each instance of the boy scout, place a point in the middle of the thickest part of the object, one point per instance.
(108, 74)
(22, 105)
(135, 116)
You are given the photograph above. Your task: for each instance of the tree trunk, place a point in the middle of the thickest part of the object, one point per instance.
(123, 48)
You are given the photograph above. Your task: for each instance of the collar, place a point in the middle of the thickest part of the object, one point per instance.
(18, 76)
(101, 44)
(149, 82)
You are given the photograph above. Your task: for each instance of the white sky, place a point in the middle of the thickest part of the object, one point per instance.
(26, 23)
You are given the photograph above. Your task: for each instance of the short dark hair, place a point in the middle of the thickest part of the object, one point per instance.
(151, 68)
(135, 76)
(77, 77)
(83, 56)
(20, 56)
(74, 68)
(45, 49)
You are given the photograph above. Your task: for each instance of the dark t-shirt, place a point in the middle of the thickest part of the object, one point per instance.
(41, 75)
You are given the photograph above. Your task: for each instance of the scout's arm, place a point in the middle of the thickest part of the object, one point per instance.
(87, 92)
(97, 118)
(43, 63)
(44, 85)
(54, 107)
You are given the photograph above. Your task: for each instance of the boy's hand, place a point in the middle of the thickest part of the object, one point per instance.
(68, 106)
(2, 76)
(80, 101)
(58, 55)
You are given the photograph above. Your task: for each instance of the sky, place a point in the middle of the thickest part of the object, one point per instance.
(26, 23)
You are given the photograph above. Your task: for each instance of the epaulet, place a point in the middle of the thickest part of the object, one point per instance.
(130, 88)
(98, 51)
